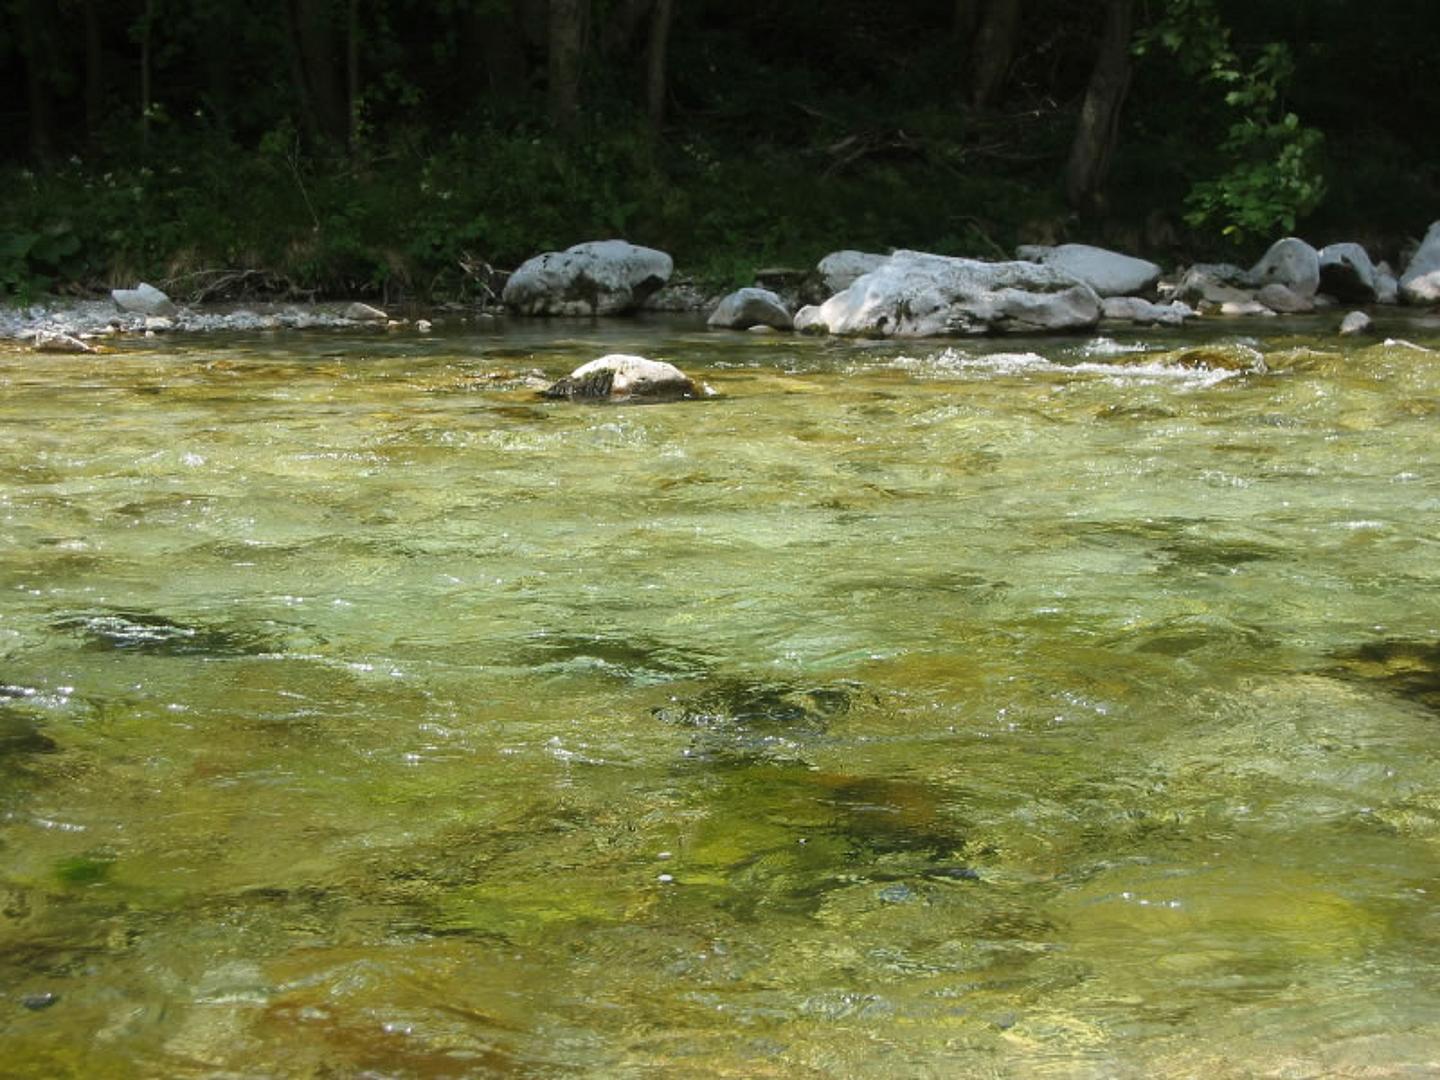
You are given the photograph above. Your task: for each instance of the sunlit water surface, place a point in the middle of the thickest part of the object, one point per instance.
(1058, 708)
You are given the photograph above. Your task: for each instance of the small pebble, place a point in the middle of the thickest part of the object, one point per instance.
(36, 1002)
(665, 879)
(423, 325)
(664, 855)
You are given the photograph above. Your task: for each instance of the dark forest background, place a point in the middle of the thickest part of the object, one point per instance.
(402, 148)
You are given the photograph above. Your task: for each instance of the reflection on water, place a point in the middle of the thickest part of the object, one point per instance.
(1052, 708)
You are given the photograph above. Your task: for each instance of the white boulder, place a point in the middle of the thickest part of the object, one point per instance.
(807, 320)
(839, 269)
(916, 294)
(144, 300)
(1290, 262)
(1107, 272)
(602, 277)
(1347, 273)
(751, 307)
(620, 377)
(1420, 284)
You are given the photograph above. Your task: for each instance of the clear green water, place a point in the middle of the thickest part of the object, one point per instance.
(895, 712)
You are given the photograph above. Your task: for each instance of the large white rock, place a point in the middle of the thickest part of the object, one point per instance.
(915, 294)
(620, 377)
(144, 300)
(1290, 262)
(807, 320)
(749, 307)
(601, 277)
(839, 269)
(1420, 284)
(1347, 273)
(1107, 272)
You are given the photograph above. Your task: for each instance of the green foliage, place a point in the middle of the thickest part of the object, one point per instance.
(1271, 169)
(32, 260)
(794, 129)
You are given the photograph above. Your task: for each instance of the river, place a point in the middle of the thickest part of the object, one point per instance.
(1004, 708)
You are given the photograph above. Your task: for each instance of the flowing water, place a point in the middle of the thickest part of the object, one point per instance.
(1061, 708)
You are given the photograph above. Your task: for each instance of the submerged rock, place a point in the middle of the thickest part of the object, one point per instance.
(1107, 272)
(602, 277)
(1407, 668)
(741, 720)
(747, 308)
(916, 294)
(144, 299)
(1420, 284)
(619, 377)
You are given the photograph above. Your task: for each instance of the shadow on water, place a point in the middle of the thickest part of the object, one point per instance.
(631, 658)
(1407, 669)
(740, 721)
(158, 635)
(21, 736)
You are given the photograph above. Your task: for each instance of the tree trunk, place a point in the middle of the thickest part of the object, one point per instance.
(567, 42)
(321, 68)
(995, 44)
(967, 15)
(620, 29)
(1098, 128)
(656, 84)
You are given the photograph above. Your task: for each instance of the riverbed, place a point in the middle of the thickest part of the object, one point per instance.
(1056, 707)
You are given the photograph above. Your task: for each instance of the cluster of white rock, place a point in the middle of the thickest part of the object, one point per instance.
(81, 327)
(1076, 286)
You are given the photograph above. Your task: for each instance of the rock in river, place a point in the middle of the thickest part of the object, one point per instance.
(1107, 272)
(746, 308)
(1291, 262)
(1347, 274)
(144, 300)
(1420, 284)
(619, 377)
(602, 277)
(915, 294)
(839, 269)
